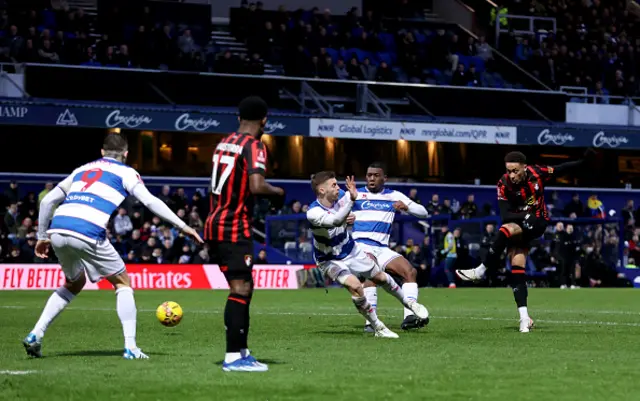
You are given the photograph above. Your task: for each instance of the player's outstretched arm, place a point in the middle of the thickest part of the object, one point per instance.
(259, 186)
(160, 209)
(589, 154)
(322, 218)
(407, 205)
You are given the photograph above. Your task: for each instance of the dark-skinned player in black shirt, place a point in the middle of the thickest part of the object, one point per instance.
(525, 217)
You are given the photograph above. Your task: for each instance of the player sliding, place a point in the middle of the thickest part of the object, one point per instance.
(78, 236)
(374, 211)
(340, 257)
(524, 216)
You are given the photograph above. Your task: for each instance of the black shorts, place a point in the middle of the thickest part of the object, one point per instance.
(234, 258)
(538, 227)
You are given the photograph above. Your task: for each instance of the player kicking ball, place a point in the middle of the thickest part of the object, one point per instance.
(374, 211)
(525, 217)
(78, 235)
(340, 258)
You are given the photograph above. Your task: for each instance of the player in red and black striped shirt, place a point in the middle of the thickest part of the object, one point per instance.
(239, 168)
(525, 217)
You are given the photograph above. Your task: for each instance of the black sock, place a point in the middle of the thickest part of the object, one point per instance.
(497, 248)
(245, 337)
(236, 321)
(519, 285)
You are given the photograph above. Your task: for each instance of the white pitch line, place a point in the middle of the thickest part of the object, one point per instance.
(17, 372)
(218, 312)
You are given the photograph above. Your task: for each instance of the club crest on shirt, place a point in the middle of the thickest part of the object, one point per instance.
(247, 260)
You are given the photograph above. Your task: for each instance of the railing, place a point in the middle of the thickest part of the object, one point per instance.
(530, 30)
(286, 93)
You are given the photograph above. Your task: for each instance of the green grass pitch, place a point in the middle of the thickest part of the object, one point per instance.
(585, 347)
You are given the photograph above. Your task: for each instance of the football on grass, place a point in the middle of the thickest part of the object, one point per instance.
(169, 314)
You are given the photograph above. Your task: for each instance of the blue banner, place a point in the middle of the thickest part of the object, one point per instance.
(579, 137)
(127, 118)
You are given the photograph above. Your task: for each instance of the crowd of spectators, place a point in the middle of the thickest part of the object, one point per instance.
(140, 237)
(595, 45)
(61, 35)
(315, 43)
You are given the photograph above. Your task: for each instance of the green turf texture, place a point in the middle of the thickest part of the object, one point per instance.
(585, 347)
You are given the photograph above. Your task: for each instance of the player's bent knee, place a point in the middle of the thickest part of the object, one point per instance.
(76, 285)
(368, 284)
(410, 276)
(352, 284)
(119, 280)
(380, 278)
(513, 228)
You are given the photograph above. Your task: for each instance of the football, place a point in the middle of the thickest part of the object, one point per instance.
(169, 314)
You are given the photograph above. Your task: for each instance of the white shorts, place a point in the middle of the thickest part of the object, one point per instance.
(357, 263)
(96, 259)
(383, 254)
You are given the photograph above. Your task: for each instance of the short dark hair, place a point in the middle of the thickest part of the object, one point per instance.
(253, 108)
(320, 178)
(115, 143)
(515, 157)
(379, 165)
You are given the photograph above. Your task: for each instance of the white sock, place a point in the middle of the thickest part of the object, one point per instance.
(394, 289)
(232, 356)
(524, 314)
(126, 307)
(371, 294)
(56, 304)
(244, 352)
(366, 310)
(480, 270)
(411, 293)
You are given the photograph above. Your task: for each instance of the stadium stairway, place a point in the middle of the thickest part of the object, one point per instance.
(223, 40)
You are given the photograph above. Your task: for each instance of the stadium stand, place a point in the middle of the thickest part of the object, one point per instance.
(595, 46)
(369, 47)
(306, 43)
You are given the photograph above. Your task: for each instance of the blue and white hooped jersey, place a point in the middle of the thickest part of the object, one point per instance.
(374, 215)
(93, 192)
(333, 243)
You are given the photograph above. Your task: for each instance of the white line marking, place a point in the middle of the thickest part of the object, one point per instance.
(17, 372)
(354, 313)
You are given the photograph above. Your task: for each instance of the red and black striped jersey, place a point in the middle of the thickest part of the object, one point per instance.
(236, 157)
(528, 195)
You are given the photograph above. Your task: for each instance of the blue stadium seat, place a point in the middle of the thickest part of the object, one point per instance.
(333, 53)
(385, 57)
(357, 32)
(49, 19)
(400, 75)
(388, 41)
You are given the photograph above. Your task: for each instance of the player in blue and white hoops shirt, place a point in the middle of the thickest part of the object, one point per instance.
(78, 235)
(340, 258)
(374, 211)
